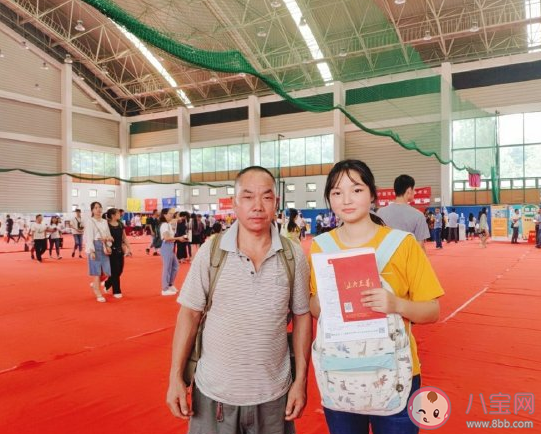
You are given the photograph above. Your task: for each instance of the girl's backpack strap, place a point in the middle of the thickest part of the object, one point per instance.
(327, 243)
(388, 247)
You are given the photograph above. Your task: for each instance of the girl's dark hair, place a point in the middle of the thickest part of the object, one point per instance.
(163, 213)
(483, 211)
(291, 225)
(110, 213)
(345, 167)
(470, 217)
(93, 204)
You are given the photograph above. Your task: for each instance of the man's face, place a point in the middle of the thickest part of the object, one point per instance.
(255, 201)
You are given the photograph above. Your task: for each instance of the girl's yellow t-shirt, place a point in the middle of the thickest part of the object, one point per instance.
(409, 273)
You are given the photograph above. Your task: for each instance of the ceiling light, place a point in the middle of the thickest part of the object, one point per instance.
(343, 52)
(399, 2)
(474, 26)
(1, 54)
(213, 80)
(80, 77)
(25, 45)
(95, 101)
(37, 87)
(261, 32)
(44, 66)
(302, 21)
(275, 4)
(79, 26)
(68, 59)
(105, 70)
(427, 36)
(242, 74)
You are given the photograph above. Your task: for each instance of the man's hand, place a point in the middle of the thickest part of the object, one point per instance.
(296, 400)
(380, 300)
(177, 399)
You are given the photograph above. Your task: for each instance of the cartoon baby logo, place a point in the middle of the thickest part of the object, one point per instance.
(429, 408)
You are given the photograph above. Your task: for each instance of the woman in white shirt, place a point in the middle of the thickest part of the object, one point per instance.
(38, 231)
(167, 251)
(54, 236)
(98, 241)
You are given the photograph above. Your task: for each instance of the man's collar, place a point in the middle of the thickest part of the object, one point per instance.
(229, 238)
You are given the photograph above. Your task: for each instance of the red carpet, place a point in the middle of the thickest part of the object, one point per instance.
(69, 364)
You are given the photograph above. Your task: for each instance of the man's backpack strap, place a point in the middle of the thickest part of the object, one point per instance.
(217, 261)
(288, 260)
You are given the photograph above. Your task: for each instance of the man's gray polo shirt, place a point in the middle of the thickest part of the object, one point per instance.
(245, 358)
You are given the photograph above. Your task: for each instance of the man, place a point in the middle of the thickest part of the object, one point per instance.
(243, 379)
(452, 223)
(9, 228)
(401, 215)
(537, 221)
(438, 225)
(77, 229)
(153, 223)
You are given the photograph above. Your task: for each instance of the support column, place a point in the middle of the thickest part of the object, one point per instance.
(183, 121)
(446, 110)
(339, 122)
(254, 129)
(67, 134)
(124, 141)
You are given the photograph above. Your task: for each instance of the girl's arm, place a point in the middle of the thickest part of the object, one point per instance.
(419, 312)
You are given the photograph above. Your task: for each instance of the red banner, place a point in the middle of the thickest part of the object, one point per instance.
(225, 204)
(151, 204)
(387, 195)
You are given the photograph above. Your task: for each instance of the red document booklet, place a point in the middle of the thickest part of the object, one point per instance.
(355, 274)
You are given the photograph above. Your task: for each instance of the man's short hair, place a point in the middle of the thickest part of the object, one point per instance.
(252, 169)
(402, 183)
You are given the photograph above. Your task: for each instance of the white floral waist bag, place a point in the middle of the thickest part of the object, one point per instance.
(367, 376)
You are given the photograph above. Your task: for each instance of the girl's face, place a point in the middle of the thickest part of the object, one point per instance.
(350, 199)
(116, 216)
(169, 215)
(97, 210)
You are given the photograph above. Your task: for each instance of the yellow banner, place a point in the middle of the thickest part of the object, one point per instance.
(499, 222)
(133, 205)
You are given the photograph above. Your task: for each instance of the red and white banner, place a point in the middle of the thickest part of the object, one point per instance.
(387, 195)
(225, 204)
(151, 204)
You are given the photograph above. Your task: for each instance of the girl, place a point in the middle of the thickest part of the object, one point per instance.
(293, 232)
(120, 247)
(471, 226)
(167, 250)
(98, 243)
(350, 190)
(54, 236)
(483, 227)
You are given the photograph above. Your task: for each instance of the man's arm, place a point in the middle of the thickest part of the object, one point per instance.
(302, 339)
(183, 340)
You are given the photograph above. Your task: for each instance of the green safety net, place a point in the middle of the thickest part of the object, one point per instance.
(424, 137)
(421, 130)
(105, 178)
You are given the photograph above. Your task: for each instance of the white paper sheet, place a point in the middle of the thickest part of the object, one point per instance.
(335, 329)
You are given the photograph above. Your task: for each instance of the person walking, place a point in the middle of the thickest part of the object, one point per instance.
(167, 250)
(98, 242)
(77, 230)
(119, 249)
